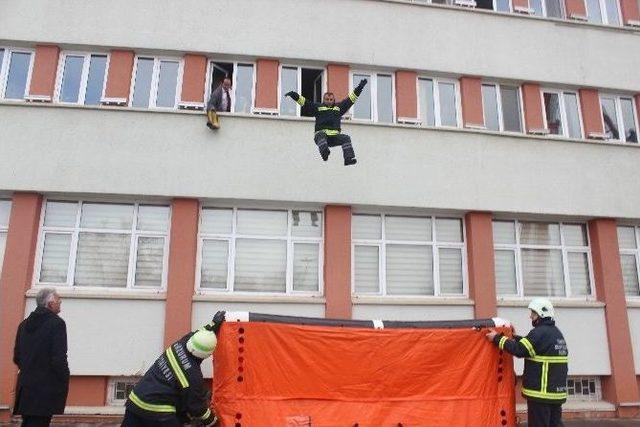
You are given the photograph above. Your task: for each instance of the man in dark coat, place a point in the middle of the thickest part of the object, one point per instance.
(41, 355)
(220, 100)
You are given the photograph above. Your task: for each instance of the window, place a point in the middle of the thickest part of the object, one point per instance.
(119, 389)
(15, 72)
(103, 245)
(629, 243)
(251, 250)
(156, 82)
(404, 255)
(501, 107)
(619, 118)
(562, 114)
(548, 8)
(580, 389)
(376, 100)
(243, 88)
(5, 210)
(438, 102)
(542, 259)
(305, 81)
(81, 78)
(603, 12)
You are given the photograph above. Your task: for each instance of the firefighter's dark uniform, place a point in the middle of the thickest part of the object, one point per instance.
(171, 388)
(544, 382)
(328, 117)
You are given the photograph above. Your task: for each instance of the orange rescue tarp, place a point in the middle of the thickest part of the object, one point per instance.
(272, 375)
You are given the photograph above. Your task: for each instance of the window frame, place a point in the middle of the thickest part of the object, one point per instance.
(437, 114)
(517, 248)
(498, 87)
(374, 95)
(636, 253)
(232, 238)
(545, 13)
(435, 254)
(604, 17)
(73, 250)
(4, 229)
(299, 88)
(207, 93)
(4, 71)
(84, 77)
(563, 112)
(111, 389)
(620, 120)
(155, 79)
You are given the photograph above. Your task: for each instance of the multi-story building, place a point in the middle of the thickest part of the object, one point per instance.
(498, 160)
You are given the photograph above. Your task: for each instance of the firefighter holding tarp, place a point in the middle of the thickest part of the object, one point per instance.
(174, 387)
(544, 382)
(328, 116)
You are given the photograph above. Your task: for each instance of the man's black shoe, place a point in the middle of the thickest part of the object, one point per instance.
(348, 162)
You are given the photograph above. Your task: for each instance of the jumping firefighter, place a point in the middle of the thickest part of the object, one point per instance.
(328, 115)
(172, 391)
(544, 382)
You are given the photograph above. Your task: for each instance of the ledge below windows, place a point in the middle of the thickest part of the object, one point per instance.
(247, 298)
(566, 303)
(113, 294)
(410, 300)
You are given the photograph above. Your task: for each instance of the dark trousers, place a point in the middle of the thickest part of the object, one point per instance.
(543, 414)
(135, 420)
(324, 142)
(35, 421)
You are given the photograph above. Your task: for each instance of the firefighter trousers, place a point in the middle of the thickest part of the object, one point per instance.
(544, 414)
(324, 141)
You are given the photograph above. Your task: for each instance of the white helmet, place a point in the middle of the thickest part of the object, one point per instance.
(202, 343)
(542, 307)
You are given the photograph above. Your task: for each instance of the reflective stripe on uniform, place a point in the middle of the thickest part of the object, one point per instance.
(544, 395)
(525, 342)
(323, 108)
(206, 415)
(502, 341)
(330, 132)
(177, 370)
(301, 100)
(549, 359)
(352, 96)
(150, 406)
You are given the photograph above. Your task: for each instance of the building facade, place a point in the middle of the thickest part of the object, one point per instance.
(498, 160)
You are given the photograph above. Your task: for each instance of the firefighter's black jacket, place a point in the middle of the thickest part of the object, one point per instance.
(328, 116)
(173, 385)
(545, 366)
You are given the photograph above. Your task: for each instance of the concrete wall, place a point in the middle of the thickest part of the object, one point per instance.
(111, 337)
(634, 326)
(505, 46)
(584, 330)
(412, 312)
(172, 154)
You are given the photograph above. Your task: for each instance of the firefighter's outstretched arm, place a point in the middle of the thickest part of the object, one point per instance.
(351, 99)
(308, 107)
(519, 347)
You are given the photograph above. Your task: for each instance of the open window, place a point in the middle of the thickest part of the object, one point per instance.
(242, 83)
(305, 81)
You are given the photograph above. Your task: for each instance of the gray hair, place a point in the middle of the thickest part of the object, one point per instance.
(44, 296)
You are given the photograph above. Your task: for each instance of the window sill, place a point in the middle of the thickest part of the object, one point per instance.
(564, 302)
(286, 299)
(597, 406)
(94, 410)
(115, 294)
(633, 303)
(389, 300)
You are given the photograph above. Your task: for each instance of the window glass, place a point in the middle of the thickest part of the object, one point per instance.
(106, 216)
(448, 230)
(60, 214)
(409, 270)
(153, 218)
(505, 269)
(628, 120)
(306, 224)
(367, 227)
(594, 14)
(610, 118)
(502, 6)
(5, 211)
(385, 99)
(1, 59)
(630, 274)
(95, 80)
(149, 259)
(427, 109)
(626, 238)
(142, 85)
(55, 258)
(102, 260)
(262, 223)
(613, 16)
(450, 267)
(216, 221)
(167, 84)
(554, 9)
(243, 88)
(542, 272)
(408, 228)
(574, 234)
(448, 113)
(579, 273)
(490, 107)
(552, 113)
(539, 233)
(289, 82)
(71, 78)
(18, 74)
(536, 5)
(213, 272)
(362, 107)
(511, 108)
(306, 259)
(261, 265)
(3, 243)
(573, 115)
(504, 232)
(366, 266)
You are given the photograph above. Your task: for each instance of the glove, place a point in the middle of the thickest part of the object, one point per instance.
(293, 95)
(217, 321)
(358, 89)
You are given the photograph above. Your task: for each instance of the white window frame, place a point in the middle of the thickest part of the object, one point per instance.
(517, 248)
(495, 7)
(436, 101)
(596, 397)
(75, 231)
(4, 229)
(373, 82)
(544, 10)
(299, 88)
(603, 14)
(207, 93)
(4, 71)
(84, 77)
(619, 118)
(563, 112)
(635, 252)
(435, 253)
(111, 389)
(498, 87)
(155, 79)
(232, 237)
